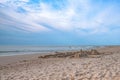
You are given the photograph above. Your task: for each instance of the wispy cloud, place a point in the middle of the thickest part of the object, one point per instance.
(70, 15)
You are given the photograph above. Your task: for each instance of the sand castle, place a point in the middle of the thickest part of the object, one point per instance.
(73, 54)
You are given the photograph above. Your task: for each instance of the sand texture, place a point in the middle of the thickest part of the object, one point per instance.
(99, 64)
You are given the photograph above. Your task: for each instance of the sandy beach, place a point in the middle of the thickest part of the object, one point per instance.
(99, 64)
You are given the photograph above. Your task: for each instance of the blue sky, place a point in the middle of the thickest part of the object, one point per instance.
(59, 22)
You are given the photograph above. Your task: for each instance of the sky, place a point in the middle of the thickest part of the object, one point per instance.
(59, 22)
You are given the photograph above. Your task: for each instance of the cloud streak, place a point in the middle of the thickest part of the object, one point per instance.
(75, 16)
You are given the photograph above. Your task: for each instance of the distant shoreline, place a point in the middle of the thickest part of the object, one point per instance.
(21, 50)
(6, 59)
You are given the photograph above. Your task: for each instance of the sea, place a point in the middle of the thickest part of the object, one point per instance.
(20, 50)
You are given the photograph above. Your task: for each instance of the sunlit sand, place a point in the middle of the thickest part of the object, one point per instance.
(98, 64)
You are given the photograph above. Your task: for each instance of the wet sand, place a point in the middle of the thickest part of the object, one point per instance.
(106, 66)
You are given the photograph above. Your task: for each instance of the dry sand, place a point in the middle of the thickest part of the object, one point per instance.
(30, 67)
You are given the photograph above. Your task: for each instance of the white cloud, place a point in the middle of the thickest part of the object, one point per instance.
(24, 0)
(75, 15)
(21, 21)
(3, 1)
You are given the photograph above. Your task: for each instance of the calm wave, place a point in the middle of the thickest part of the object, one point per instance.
(18, 50)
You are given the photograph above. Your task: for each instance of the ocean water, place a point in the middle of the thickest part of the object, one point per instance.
(19, 50)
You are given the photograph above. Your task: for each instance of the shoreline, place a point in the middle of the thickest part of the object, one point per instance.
(13, 52)
(8, 59)
(4, 60)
